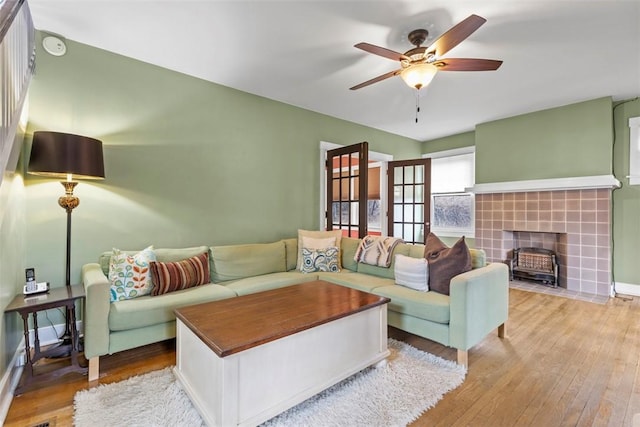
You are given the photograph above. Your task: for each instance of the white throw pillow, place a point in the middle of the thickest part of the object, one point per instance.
(313, 243)
(412, 272)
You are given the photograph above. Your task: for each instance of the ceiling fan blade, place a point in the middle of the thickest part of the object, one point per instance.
(381, 51)
(467, 64)
(455, 35)
(376, 79)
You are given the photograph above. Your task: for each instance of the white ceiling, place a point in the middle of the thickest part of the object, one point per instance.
(301, 52)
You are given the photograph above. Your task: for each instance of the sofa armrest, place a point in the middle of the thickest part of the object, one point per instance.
(96, 314)
(479, 303)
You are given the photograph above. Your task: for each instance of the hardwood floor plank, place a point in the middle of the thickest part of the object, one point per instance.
(565, 362)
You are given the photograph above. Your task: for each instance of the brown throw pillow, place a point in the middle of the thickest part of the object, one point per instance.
(445, 262)
(175, 276)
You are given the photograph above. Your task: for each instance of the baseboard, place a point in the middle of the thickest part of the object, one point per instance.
(627, 289)
(50, 334)
(9, 381)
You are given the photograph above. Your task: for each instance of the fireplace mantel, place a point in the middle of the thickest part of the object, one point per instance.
(553, 184)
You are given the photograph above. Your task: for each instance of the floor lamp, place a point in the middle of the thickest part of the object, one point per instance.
(66, 156)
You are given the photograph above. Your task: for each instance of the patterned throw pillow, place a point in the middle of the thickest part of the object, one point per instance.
(176, 276)
(129, 274)
(320, 260)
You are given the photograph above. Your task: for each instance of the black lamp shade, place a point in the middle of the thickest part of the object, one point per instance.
(57, 154)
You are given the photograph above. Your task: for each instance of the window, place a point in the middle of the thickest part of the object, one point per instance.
(634, 151)
(452, 208)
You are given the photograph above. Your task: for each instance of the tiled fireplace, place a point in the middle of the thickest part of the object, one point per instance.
(573, 223)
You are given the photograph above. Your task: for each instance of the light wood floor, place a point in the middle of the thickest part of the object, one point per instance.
(565, 363)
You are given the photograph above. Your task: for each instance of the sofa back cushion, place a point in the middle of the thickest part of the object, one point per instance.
(478, 258)
(291, 246)
(162, 255)
(235, 262)
(349, 247)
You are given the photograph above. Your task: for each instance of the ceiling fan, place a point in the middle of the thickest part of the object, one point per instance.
(420, 64)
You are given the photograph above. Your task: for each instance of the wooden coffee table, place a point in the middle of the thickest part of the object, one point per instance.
(244, 360)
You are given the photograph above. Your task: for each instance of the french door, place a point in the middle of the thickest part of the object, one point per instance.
(346, 171)
(409, 199)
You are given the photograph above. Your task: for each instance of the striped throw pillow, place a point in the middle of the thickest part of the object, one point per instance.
(176, 276)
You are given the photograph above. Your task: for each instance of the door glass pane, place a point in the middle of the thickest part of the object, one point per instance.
(343, 165)
(419, 196)
(397, 194)
(408, 174)
(418, 233)
(407, 232)
(419, 174)
(418, 213)
(397, 212)
(408, 193)
(408, 213)
(397, 230)
(397, 176)
(353, 188)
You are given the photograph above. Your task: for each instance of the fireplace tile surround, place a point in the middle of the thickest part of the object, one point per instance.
(573, 223)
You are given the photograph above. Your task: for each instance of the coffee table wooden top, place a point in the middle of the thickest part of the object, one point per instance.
(232, 325)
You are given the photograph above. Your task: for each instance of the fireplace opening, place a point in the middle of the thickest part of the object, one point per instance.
(536, 264)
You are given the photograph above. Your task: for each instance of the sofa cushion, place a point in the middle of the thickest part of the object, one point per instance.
(445, 262)
(431, 306)
(179, 275)
(251, 285)
(162, 255)
(235, 262)
(151, 310)
(359, 281)
(374, 270)
(129, 275)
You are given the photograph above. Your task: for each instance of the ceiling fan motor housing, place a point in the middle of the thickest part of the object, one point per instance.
(417, 37)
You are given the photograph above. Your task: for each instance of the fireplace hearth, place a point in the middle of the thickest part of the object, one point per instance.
(535, 264)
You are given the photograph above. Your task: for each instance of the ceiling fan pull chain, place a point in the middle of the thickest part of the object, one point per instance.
(417, 104)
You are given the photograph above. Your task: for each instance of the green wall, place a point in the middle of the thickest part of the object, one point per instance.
(568, 141)
(459, 140)
(188, 162)
(626, 201)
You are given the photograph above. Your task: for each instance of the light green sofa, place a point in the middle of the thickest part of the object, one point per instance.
(478, 301)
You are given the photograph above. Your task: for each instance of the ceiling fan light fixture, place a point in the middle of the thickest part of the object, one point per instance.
(418, 76)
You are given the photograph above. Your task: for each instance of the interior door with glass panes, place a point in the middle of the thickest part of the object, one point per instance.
(347, 175)
(409, 186)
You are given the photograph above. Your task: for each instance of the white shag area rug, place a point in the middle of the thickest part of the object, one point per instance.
(393, 395)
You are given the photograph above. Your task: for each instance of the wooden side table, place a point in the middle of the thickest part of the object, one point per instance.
(25, 305)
